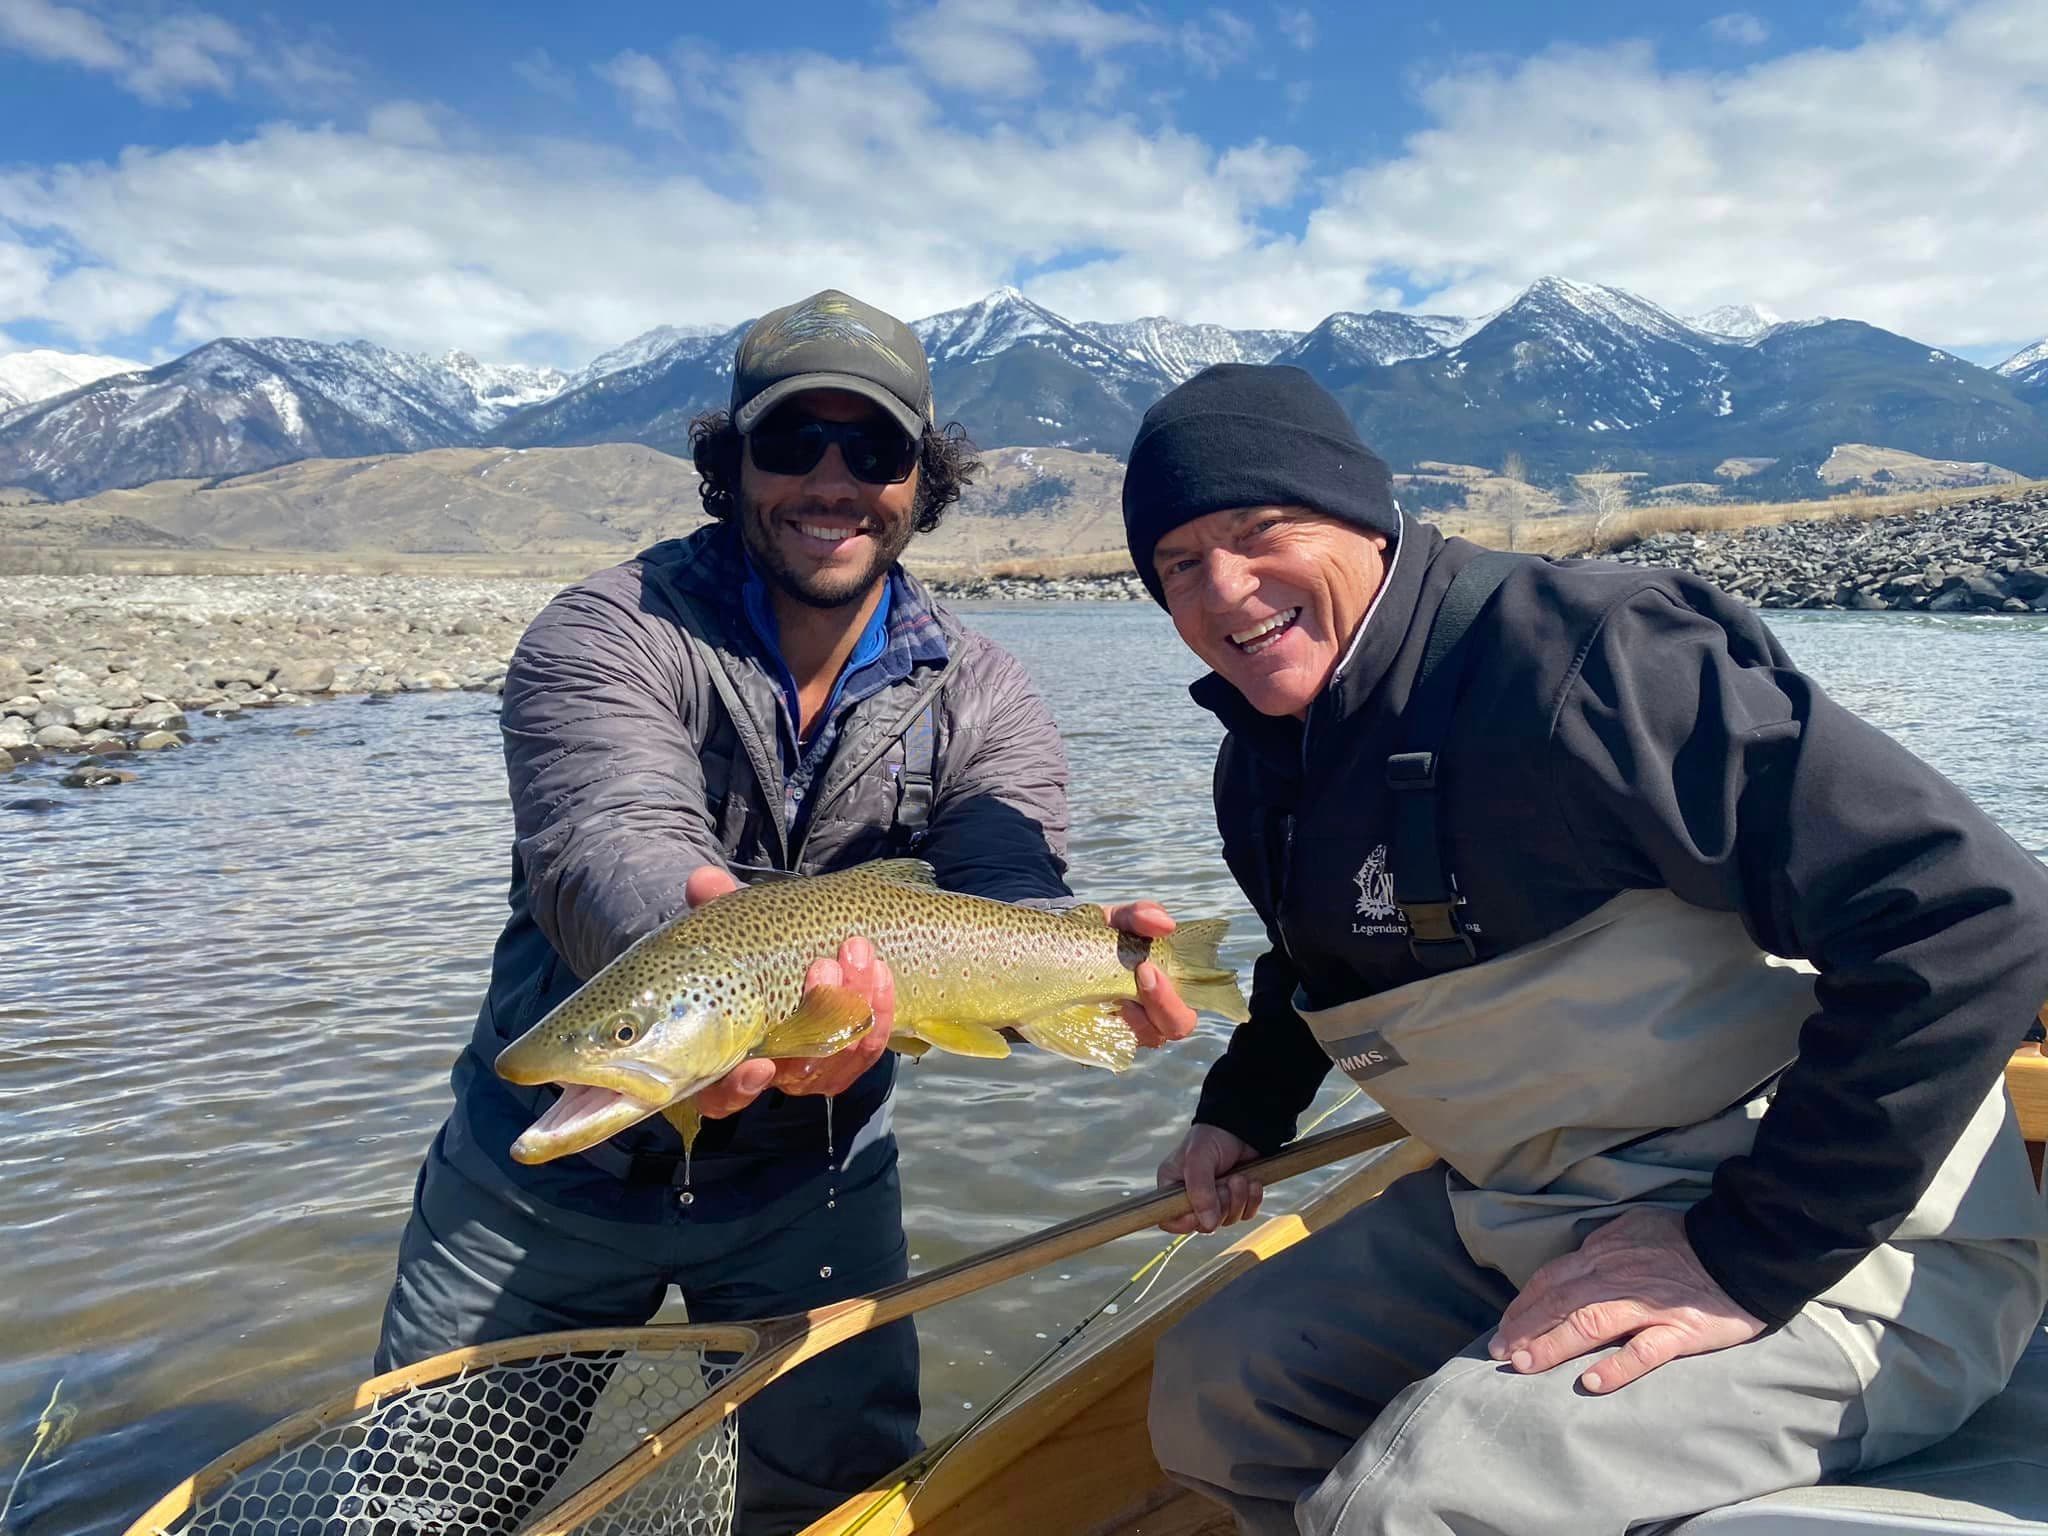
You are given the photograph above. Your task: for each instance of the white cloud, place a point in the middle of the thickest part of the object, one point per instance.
(1741, 28)
(107, 301)
(404, 122)
(1298, 25)
(1217, 41)
(165, 57)
(1895, 179)
(419, 240)
(646, 90)
(992, 46)
(58, 33)
(539, 70)
(185, 53)
(24, 277)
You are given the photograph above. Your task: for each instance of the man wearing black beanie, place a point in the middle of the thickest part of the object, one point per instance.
(1531, 841)
(1236, 435)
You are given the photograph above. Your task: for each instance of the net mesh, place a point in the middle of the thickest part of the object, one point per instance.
(492, 1452)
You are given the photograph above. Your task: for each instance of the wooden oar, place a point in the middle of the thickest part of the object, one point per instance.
(776, 1346)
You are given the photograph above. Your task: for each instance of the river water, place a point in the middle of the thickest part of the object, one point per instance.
(231, 992)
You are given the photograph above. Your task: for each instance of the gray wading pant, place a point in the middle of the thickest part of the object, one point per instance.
(482, 1259)
(1342, 1388)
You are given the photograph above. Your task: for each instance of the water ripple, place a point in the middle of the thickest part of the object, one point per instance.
(234, 988)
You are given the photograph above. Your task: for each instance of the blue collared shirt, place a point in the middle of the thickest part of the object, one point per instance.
(901, 634)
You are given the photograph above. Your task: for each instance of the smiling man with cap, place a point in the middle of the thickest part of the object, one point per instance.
(773, 690)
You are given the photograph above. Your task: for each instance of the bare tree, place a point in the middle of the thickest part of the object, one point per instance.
(1513, 501)
(1602, 500)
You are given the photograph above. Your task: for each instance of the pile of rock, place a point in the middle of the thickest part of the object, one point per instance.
(97, 665)
(1040, 589)
(1985, 555)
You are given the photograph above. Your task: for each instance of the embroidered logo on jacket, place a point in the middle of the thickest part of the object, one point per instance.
(1376, 904)
(1364, 1057)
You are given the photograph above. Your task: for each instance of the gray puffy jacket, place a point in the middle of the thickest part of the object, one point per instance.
(640, 730)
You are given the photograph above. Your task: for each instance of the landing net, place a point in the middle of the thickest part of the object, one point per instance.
(491, 1452)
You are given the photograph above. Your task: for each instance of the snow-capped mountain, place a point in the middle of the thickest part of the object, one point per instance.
(1178, 352)
(26, 377)
(647, 347)
(1348, 341)
(1737, 322)
(663, 379)
(1007, 319)
(502, 388)
(1566, 375)
(244, 404)
(1596, 358)
(2028, 369)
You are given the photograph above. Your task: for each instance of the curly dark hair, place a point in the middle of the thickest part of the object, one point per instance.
(946, 465)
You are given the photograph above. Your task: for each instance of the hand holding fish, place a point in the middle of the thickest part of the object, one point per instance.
(757, 982)
(858, 969)
(1158, 1015)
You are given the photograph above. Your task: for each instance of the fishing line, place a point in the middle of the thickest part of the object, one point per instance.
(53, 1428)
(933, 1456)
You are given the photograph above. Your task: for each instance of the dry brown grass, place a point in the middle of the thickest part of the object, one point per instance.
(1572, 533)
(1106, 562)
(1553, 533)
(46, 560)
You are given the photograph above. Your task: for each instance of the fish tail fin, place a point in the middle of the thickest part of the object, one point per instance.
(1189, 956)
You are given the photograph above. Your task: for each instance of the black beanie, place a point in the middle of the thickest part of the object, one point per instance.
(1246, 435)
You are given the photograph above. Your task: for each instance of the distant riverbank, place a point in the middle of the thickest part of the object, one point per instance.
(1985, 555)
(96, 670)
(103, 668)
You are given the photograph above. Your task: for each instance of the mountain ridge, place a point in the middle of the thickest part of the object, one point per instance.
(1569, 375)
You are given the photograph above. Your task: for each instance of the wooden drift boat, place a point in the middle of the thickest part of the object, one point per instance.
(1071, 1456)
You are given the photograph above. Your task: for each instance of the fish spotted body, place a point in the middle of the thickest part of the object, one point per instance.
(692, 1000)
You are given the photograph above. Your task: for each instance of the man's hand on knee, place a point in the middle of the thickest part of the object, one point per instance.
(1636, 1279)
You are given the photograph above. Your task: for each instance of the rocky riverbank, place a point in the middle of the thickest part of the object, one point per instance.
(1040, 589)
(97, 671)
(1985, 555)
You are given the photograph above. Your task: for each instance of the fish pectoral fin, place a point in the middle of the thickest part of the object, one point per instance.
(687, 1121)
(905, 1043)
(829, 1019)
(1094, 1033)
(964, 1039)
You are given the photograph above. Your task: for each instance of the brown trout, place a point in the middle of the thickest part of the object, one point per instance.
(692, 1000)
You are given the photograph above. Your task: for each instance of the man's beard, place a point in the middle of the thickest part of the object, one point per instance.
(820, 589)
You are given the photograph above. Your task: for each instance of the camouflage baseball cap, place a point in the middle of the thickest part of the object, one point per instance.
(831, 341)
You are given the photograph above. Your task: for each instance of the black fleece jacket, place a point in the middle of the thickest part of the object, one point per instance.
(1625, 728)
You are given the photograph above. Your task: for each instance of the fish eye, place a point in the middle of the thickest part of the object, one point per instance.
(623, 1034)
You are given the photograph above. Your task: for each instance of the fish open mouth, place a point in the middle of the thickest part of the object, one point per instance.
(581, 1118)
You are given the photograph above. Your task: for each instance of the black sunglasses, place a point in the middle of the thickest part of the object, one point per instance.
(876, 452)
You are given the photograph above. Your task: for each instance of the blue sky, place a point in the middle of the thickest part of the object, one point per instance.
(537, 182)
